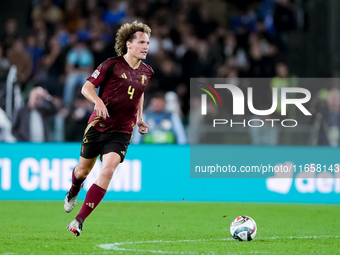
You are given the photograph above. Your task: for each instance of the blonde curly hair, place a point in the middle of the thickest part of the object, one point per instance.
(127, 32)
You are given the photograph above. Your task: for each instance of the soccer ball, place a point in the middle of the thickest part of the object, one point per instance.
(243, 228)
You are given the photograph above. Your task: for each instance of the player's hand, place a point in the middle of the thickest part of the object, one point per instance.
(101, 109)
(142, 127)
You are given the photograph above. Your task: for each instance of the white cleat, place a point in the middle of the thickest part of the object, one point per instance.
(70, 202)
(76, 226)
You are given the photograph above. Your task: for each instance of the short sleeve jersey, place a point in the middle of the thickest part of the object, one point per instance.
(120, 88)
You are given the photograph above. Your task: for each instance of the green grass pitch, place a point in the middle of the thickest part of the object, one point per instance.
(168, 228)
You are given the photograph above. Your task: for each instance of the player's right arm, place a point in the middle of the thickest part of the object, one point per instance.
(99, 106)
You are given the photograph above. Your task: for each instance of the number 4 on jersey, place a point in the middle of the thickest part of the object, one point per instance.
(130, 92)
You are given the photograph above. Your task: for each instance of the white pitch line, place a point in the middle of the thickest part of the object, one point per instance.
(116, 246)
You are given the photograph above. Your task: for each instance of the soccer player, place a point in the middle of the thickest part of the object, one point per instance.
(118, 107)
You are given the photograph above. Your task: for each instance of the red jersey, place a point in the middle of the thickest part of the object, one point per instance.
(120, 88)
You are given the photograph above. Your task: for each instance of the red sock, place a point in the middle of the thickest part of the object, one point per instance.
(76, 184)
(93, 197)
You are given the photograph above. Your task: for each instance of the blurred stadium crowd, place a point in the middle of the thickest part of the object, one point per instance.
(68, 39)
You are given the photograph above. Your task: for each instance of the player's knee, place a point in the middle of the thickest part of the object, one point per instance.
(107, 172)
(82, 172)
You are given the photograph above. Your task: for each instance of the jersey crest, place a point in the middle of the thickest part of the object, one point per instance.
(144, 79)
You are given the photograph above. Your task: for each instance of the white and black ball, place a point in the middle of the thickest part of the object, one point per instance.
(243, 228)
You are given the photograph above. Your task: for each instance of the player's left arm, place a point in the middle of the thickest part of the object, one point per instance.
(142, 126)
